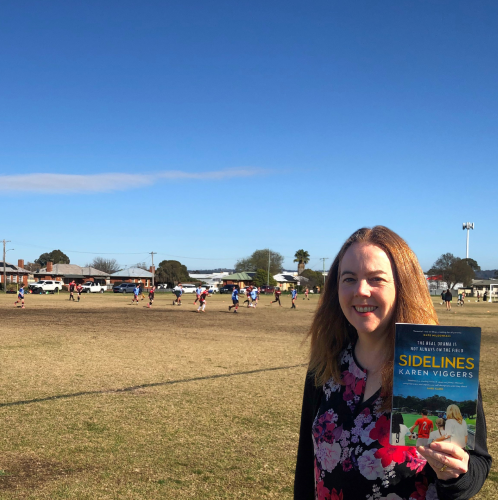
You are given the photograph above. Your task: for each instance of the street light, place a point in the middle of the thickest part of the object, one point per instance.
(468, 226)
(4, 266)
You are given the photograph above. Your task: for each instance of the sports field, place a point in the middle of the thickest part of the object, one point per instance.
(105, 400)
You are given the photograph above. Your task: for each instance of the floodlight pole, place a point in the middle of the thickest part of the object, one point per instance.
(468, 226)
(324, 259)
(153, 270)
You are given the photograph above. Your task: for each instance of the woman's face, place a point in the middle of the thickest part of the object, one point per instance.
(366, 288)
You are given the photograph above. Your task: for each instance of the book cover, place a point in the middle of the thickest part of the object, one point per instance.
(436, 377)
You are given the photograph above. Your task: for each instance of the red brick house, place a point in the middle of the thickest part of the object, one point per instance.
(69, 272)
(14, 274)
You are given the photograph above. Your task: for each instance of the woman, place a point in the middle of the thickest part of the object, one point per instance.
(344, 452)
(456, 427)
(440, 433)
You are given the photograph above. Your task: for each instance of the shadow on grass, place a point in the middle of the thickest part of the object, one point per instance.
(143, 386)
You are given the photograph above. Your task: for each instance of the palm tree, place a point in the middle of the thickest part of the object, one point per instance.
(302, 257)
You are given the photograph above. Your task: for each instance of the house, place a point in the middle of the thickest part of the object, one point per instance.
(14, 274)
(132, 275)
(213, 280)
(69, 272)
(288, 281)
(481, 286)
(242, 279)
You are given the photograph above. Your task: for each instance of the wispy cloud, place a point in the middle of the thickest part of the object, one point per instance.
(105, 183)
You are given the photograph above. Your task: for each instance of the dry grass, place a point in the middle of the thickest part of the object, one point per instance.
(105, 400)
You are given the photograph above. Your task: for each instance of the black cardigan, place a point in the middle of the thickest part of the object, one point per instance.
(462, 488)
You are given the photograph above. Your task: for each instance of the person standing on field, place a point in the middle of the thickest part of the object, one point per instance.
(136, 292)
(294, 297)
(151, 296)
(248, 295)
(235, 300)
(178, 291)
(254, 297)
(448, 297)
(202, 301)
(277, 297)
(72, 286)
(79, 289)
(20, 297)
(306, 293)
(198, 292)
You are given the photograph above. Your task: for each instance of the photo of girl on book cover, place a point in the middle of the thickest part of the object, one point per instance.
(435, 384)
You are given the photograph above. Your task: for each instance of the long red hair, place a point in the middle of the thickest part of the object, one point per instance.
(331, 333)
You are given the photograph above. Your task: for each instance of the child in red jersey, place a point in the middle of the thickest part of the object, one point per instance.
(151, 296)
(79, 289)
(277, 297)
(72, 287)
(202, 301)
(425, 426)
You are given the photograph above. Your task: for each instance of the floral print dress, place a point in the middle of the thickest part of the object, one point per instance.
(353, 457)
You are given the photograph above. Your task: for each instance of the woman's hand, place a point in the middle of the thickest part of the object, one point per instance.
(448, 460)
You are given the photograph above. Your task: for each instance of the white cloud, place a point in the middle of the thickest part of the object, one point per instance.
(105, 183)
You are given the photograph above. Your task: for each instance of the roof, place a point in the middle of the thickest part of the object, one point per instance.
(286, 278)
(485, 282)
(239, 277)
(73, 269)
(132, 272)
(11, 268)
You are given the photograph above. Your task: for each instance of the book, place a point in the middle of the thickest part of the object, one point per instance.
(435, 385)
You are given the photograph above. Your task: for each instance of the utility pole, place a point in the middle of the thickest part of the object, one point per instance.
(4, 265)
(152, 267)
(467, 226)
(324, 259)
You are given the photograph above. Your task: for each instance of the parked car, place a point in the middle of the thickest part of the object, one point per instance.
(267, 289)
(124, 288)
(189, 288)
(92, 287)
(227, 289)
(46, 286)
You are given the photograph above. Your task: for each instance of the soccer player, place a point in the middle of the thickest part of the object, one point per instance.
(425, 426)
(235, 300)
(248, 294)
(202, 301)
(136, 292)
(294, 297)
(178, 291)
(198, 292)
(306, 293)
(254, 297)
(151, 296)
(141, 287)
(20, 297)
(72, 286)
(79, 289)
(277, 297)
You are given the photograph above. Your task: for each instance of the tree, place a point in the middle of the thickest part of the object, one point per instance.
(454, 270)
(171, 272)
(261, 277)
(55, 256)
(108, 266)
(315, 278)
(259, 260)
(141, 265)
(302, 257)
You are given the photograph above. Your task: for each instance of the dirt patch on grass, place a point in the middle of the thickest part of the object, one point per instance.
(28, 471)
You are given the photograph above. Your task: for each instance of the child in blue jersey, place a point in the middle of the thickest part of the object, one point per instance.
(235, 300)
(254, 298)
(136, 292)
(20, 297)
(198, 292)
(294, 297)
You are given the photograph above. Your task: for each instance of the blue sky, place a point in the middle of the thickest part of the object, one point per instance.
(206, 130)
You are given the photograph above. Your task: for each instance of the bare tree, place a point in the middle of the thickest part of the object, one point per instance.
(108, 266)
(141, 265)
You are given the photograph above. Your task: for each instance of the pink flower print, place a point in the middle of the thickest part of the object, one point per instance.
(328, 455)
(381, 431)
(421, 490)
(322, 493)
(358, 390)
(414, 461)
(334, 495)
(347, 465)
(391, 496)
(389, 453)
(370, 466)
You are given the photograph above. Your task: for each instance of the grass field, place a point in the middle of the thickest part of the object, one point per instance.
(105, 400)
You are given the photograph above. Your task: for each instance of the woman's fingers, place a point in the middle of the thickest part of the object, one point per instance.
(449, 461)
